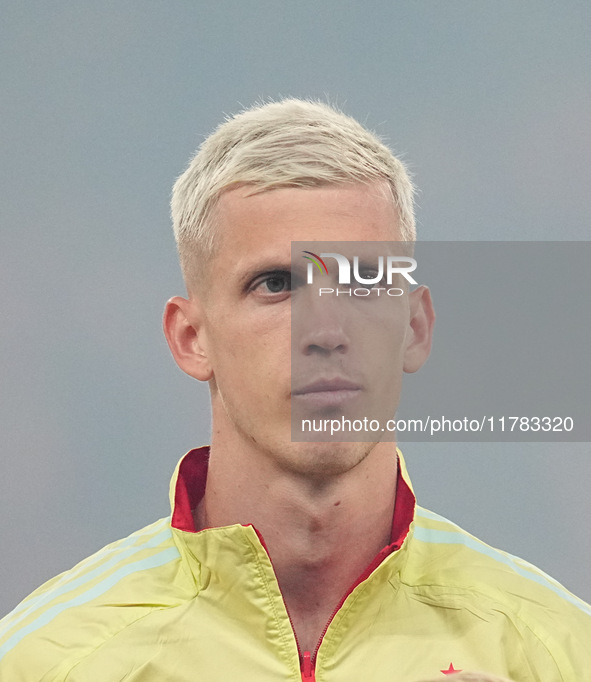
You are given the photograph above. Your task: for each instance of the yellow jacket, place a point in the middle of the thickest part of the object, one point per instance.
(171, 604)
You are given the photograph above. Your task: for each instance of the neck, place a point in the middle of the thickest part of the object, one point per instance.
(321, 533)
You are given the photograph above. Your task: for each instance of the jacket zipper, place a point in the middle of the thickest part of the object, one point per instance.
(308, 668)
(308, 660)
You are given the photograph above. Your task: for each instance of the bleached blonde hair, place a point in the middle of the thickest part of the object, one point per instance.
(290, 143)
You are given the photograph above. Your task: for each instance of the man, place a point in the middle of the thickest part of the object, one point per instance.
(284, 559)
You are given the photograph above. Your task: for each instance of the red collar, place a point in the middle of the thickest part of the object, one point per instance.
(190, 487)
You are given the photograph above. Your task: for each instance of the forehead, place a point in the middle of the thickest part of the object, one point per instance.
(348, 212)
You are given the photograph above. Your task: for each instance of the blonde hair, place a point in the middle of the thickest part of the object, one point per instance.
(290, 143)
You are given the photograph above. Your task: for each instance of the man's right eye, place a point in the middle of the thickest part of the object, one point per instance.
(277, 284)
(273, 283)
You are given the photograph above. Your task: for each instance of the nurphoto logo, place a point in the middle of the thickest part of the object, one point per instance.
(385, 270)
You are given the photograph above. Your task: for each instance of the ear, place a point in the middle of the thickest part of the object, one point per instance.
(184, 331)
(420, 332)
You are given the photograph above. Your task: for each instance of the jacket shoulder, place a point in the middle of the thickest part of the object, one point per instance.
(71, 615)
(458, 570)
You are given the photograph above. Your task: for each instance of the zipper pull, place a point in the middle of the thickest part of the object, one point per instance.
(307, 668)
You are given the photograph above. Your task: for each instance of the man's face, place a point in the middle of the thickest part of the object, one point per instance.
(248, 316)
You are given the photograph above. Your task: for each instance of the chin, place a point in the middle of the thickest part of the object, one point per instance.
(321, 459)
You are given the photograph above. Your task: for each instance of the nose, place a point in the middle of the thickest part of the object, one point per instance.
(319, 326)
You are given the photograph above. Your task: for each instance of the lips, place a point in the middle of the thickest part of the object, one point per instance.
(327, 385)
(327, 393)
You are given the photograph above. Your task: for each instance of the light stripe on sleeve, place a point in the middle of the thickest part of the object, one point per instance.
(70, 585)
(159, 559)
(61, 586)
(521, 567)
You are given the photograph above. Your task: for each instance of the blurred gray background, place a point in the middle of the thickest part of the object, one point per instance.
(103, 103)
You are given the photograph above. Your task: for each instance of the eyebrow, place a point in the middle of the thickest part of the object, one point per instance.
(256, 269)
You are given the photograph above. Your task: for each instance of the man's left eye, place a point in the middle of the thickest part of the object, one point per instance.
(371, 274)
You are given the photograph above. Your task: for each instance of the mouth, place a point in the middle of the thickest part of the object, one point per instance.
(327, 393)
